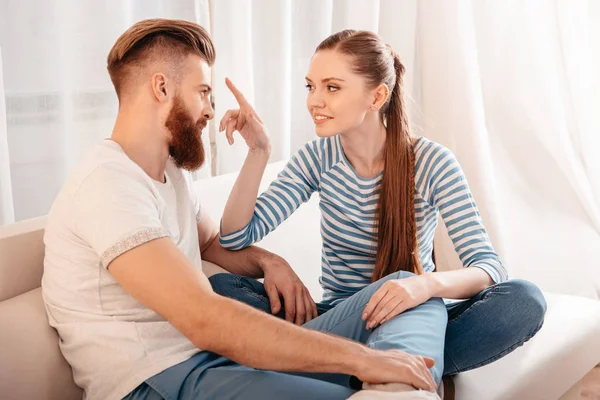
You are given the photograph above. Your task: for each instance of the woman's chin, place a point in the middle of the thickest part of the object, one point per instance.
(324, 132)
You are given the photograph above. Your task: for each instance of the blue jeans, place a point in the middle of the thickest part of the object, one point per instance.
(480, 330)
(459, 337)
(420, 330)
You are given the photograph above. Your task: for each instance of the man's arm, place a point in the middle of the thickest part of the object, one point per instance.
(248, 262)
(280, 279)
(159, 275)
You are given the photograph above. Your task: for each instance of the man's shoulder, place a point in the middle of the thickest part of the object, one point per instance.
(103, 164)
(100, 171)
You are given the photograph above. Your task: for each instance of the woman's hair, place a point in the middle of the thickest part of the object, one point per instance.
(397, 227)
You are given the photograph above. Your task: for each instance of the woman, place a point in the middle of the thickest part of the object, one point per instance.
(381, 191)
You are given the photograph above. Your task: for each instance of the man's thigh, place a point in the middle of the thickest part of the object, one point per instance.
(239, 382)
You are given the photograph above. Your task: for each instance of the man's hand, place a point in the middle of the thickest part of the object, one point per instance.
(281, 281)
(396, 366)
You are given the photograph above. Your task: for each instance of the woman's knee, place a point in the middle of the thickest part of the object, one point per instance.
(529, 296)
(241, 288)
(525, 304)
(223, 283)
(231, 285)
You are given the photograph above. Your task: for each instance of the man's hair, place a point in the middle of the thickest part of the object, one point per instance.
(151, 40)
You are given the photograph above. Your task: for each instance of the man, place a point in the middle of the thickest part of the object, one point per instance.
(123, 281)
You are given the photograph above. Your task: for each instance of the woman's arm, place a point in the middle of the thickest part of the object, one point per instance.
(242, 199)
(240, 205)
(247, 219)
(451, 195)
(460, 284)
(293, 186)
(444, 185)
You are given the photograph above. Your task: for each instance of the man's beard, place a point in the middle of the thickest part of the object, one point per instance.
(185, 147)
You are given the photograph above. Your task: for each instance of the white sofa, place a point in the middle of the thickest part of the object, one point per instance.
(548, 367)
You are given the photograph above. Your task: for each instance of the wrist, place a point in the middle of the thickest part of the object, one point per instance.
(355, 363)
(262, 152)
(263, 260)
(434, 286)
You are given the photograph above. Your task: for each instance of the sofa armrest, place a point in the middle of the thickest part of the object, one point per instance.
(21, 257)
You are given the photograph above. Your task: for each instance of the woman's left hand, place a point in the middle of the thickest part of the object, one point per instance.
(394, 297)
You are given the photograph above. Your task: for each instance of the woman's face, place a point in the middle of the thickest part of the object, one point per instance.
(338, 99)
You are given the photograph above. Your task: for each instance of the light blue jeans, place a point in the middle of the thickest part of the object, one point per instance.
(420, 330)
(458, 337)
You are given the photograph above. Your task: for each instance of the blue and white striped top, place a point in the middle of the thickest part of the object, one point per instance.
(348, 203)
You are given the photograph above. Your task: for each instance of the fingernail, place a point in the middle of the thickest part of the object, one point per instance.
(364, 316)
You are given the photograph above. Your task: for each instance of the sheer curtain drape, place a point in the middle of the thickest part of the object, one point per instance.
(58, 97)
(511, 87)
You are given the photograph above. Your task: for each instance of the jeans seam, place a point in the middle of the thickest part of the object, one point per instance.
(361, 308)
(448, 358)
(252, 293)
(373, 337)
(158, 390)
(483, 299)
(256, 295)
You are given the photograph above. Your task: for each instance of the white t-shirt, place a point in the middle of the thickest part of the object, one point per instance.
(108, 206)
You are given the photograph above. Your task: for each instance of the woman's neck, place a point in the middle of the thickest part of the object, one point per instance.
(364, 147)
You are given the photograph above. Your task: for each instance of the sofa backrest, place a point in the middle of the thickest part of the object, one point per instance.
(31, 366)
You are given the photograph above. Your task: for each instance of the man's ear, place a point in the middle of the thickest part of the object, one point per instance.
(160, 87)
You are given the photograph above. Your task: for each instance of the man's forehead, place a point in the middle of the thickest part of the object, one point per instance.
(198, 69)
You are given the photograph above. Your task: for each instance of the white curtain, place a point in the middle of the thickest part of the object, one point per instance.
(511, 87)
(59, 98)
(7, 214)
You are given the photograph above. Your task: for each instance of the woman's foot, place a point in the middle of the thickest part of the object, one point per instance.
(392, 391)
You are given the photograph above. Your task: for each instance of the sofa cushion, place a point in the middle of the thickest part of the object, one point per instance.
(559, 355)
(32, 366)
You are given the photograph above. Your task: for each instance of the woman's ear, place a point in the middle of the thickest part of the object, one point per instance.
(382, 92)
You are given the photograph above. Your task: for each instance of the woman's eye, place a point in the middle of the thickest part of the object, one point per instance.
(309, 86)
(331, 88)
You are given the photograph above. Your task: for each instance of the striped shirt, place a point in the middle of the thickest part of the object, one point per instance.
(348, 203)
